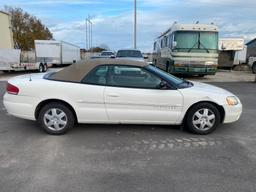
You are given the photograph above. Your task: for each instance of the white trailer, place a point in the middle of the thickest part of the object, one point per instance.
(57, 52)
(17, 60)
(232, 52)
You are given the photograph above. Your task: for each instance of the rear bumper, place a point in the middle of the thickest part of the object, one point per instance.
(19, 106)
(232, 113)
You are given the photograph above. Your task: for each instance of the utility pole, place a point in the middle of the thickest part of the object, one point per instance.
(135, 25)
(86, 35)
(91, 34)
(88, 31)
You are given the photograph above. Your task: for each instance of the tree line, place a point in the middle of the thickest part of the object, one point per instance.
(26, 28)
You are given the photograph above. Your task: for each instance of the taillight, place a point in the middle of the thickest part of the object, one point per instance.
(11, 89)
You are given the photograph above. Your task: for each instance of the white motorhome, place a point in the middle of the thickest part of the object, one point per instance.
(187, 49)
(58, 52)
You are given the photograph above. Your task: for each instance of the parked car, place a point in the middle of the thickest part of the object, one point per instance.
(118, 91)
(107, 54)
(252, 64)
(130, 54)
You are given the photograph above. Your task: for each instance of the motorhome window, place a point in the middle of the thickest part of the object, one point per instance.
(195, 41)
(208, 40)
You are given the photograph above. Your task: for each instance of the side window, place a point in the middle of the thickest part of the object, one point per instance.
(133, 77)
(98, 76)
(165, 41)
(170, 40)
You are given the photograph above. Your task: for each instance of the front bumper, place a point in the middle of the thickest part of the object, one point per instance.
(195, 70)
(232, 113)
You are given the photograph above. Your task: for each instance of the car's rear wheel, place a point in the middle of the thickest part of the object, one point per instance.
(56, 118)
(203, 118)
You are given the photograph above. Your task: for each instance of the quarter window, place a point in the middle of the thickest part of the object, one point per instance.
(133, 77)
(97, 76)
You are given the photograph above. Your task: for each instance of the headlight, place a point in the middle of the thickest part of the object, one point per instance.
(232, 100)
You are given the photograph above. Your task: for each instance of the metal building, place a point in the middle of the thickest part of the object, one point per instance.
(6, 37)
(251, 48)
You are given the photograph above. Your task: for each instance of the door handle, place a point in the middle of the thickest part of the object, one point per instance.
(113, 95)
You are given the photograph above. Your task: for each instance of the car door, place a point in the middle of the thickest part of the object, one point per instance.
(90, 99)
(132, 96)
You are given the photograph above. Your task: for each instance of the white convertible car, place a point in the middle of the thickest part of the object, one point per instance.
(118, 91)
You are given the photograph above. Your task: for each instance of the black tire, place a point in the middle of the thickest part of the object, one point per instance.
(192, 118)
(155, 63)
(45, 67)
(41, 68)
(60, 109)
(167, 67)
(254, 68)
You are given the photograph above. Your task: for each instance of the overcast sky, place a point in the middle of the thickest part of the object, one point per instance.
(113, 19)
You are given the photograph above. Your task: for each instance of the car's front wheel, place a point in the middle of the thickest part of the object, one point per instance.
(56, 118)
(203, 118)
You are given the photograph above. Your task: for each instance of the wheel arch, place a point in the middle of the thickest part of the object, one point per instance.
(219, 107)
(45, 102)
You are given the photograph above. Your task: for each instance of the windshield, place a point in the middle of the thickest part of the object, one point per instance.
(174, 80)
(196, 42)
(107, 53)
(129, 53)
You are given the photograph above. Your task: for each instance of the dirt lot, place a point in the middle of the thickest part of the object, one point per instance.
(227, 76)
(221, 76)
(125, 158)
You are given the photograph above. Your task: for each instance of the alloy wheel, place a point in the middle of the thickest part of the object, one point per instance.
(55, 119)
(203, 119)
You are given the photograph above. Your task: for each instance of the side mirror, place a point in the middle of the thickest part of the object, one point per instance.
(163, 85)
(174, 44)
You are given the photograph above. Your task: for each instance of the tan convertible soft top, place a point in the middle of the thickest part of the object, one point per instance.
(76, 72)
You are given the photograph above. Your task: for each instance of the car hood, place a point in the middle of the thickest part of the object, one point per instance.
(208, 89)
(205, 92)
